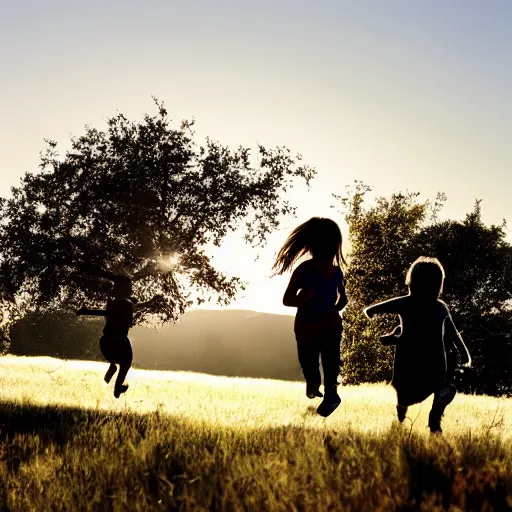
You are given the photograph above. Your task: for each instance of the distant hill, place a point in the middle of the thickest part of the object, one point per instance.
(219, 342)
(228, 342)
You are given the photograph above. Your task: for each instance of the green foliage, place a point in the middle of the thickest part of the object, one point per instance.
(139, 199)
(62, 334)
(386, 238)
(380, 254)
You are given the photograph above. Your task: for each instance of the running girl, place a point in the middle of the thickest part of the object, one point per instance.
(317, 290)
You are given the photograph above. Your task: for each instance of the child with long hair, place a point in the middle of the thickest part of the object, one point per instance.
(420, 365)
(317, 290)
(115, 344)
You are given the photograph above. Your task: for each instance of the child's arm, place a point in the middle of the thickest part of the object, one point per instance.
(91, 312)
(387, 306)
(460, 346)
(393, 337)
(343, 299)
(291, 297)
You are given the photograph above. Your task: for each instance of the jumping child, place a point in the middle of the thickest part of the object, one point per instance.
(115, 344)
(420, 366)
(317, 290)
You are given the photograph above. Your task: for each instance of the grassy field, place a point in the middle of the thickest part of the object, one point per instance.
(183, 441)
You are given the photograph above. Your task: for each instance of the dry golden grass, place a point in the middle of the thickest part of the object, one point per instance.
(183, 441)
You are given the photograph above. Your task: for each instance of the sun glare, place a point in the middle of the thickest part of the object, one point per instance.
(169, 261)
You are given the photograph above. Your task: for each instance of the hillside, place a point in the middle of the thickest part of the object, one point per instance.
(229, 342)
(220, 342)
(188, 441)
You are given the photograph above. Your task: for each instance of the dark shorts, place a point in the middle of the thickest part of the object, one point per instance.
(311, 329)
(116, 350)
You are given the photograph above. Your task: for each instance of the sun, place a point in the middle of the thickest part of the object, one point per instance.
(170, 261)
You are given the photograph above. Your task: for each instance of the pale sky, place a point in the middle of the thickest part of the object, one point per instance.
(404, 95)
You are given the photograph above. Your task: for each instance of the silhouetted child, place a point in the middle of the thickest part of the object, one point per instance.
(115, 344)
(317, 290)
(420, 366)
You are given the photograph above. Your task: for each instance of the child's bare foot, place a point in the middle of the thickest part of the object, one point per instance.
(110, 373)
(119, 390)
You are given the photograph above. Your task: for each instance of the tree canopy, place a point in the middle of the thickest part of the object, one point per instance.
(386, 237)
(140, 199)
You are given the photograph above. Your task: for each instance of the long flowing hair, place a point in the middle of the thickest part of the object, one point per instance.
(319, 237)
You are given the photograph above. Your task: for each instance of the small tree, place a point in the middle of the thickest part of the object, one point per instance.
(380, 254)
(385, 239)
(139, 199)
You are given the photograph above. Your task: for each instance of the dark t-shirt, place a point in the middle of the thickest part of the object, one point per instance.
(325, 289)
(420, 356)
(119, 318)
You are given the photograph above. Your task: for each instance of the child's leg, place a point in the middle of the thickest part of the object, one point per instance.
(442, 398)
(107, 347)
(331, 364)
(120, 386)
(110, 372)
(309, 359)
(330, 350)
(126, 355)
(401, 411)
(401, 398)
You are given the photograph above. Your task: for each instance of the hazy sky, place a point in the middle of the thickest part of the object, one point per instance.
(400, 94)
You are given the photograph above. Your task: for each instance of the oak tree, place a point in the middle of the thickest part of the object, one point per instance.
(141, 199)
